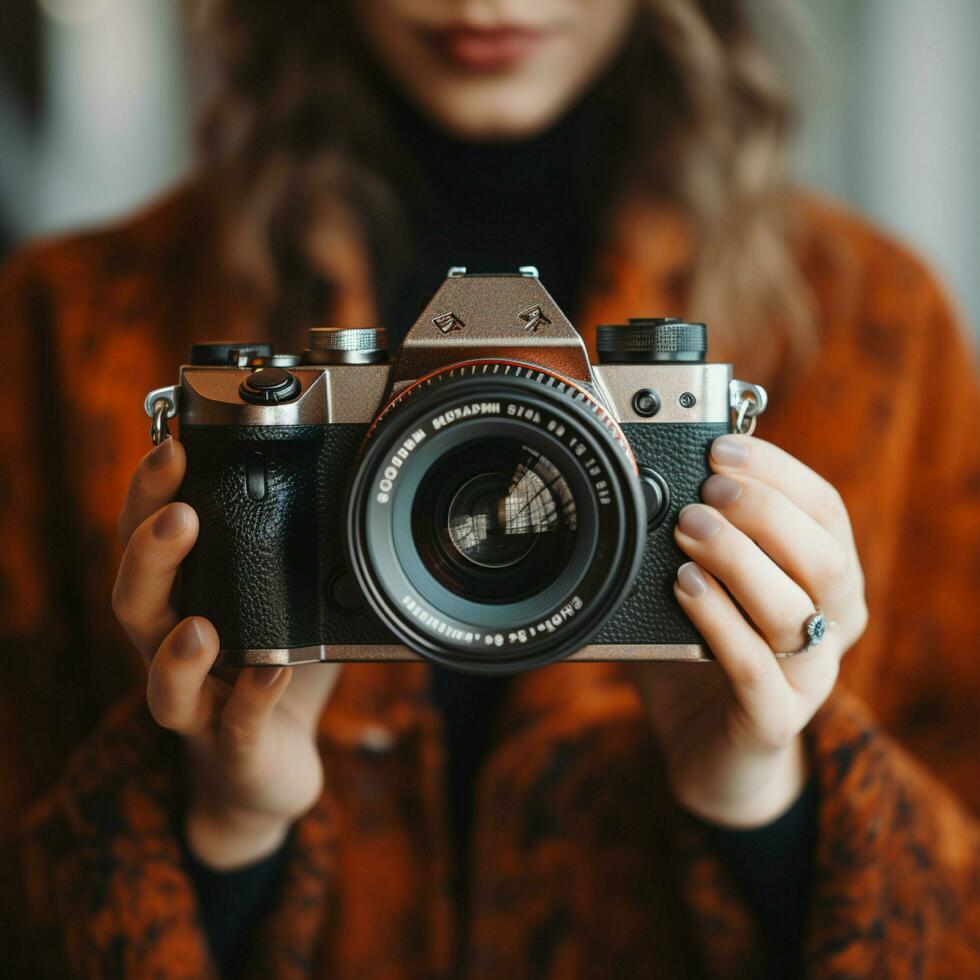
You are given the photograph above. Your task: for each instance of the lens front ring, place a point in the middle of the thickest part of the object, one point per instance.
(547, 418)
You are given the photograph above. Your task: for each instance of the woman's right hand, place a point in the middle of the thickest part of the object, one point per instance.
(251, 750)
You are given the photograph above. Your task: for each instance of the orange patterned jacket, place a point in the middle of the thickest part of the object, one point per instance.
(582, 868)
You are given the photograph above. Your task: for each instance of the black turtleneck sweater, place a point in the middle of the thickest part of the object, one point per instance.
(493, 208)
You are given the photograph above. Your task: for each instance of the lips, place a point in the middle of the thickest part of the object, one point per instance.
(482, 50)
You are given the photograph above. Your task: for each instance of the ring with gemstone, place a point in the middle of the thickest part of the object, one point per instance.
(814, 629)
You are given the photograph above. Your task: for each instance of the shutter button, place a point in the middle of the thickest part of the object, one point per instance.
(269, 386)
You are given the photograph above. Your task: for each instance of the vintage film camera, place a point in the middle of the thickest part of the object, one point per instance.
(486, 498)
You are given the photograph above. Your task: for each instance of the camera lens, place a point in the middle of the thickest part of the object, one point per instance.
(495, 519)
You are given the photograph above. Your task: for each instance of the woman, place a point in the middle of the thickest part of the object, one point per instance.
(582, 820)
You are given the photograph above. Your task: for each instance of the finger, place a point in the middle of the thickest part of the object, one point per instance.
(154, 484)
(763, 461)
(177, 689)
(246, 715)
(773, 601)
(141, 596)
(757, 680)
(804, 549)
(314, 686)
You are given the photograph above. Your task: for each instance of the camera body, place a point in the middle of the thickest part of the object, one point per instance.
(488, 499)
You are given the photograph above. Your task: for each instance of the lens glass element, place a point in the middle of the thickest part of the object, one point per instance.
(495, 521)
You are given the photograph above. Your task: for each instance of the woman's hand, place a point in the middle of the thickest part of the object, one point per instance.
(251, 743)
(777, 537)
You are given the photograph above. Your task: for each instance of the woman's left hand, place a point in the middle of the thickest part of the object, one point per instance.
(777, 537)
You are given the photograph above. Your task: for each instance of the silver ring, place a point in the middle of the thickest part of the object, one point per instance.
(814, 629)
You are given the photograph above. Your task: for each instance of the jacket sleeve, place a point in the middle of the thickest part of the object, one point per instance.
(92, 878)
(896, 878)
(26, 524)
(928, 622)
(45, 670)
(105, 887)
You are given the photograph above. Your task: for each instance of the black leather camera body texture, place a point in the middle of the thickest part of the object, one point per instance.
(261, 569)
(650, 613)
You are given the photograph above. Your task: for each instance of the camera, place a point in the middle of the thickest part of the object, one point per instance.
(486, 498)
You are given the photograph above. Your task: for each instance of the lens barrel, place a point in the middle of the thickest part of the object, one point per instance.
(495, 518)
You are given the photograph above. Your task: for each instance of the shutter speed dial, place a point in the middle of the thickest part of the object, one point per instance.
(347, 345)
(652, 340)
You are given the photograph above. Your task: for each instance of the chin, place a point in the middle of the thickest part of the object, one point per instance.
(484, 120)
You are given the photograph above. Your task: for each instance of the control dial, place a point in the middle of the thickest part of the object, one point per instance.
(225, 353)
(347, 345)
(652, 340)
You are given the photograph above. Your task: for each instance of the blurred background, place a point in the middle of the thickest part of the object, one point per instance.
(98, 100)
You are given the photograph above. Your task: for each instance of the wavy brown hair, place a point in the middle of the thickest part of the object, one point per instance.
(298, 135)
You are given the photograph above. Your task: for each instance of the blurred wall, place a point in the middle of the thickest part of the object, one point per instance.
(891, 88)
(893, 123)
(113, 130)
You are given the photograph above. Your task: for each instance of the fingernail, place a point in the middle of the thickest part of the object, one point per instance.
(265, 677)
(729, 451)
(188, 641)
(691, 581)
(719, 491)
(698, 522)
(170, 523)
(161, 455)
